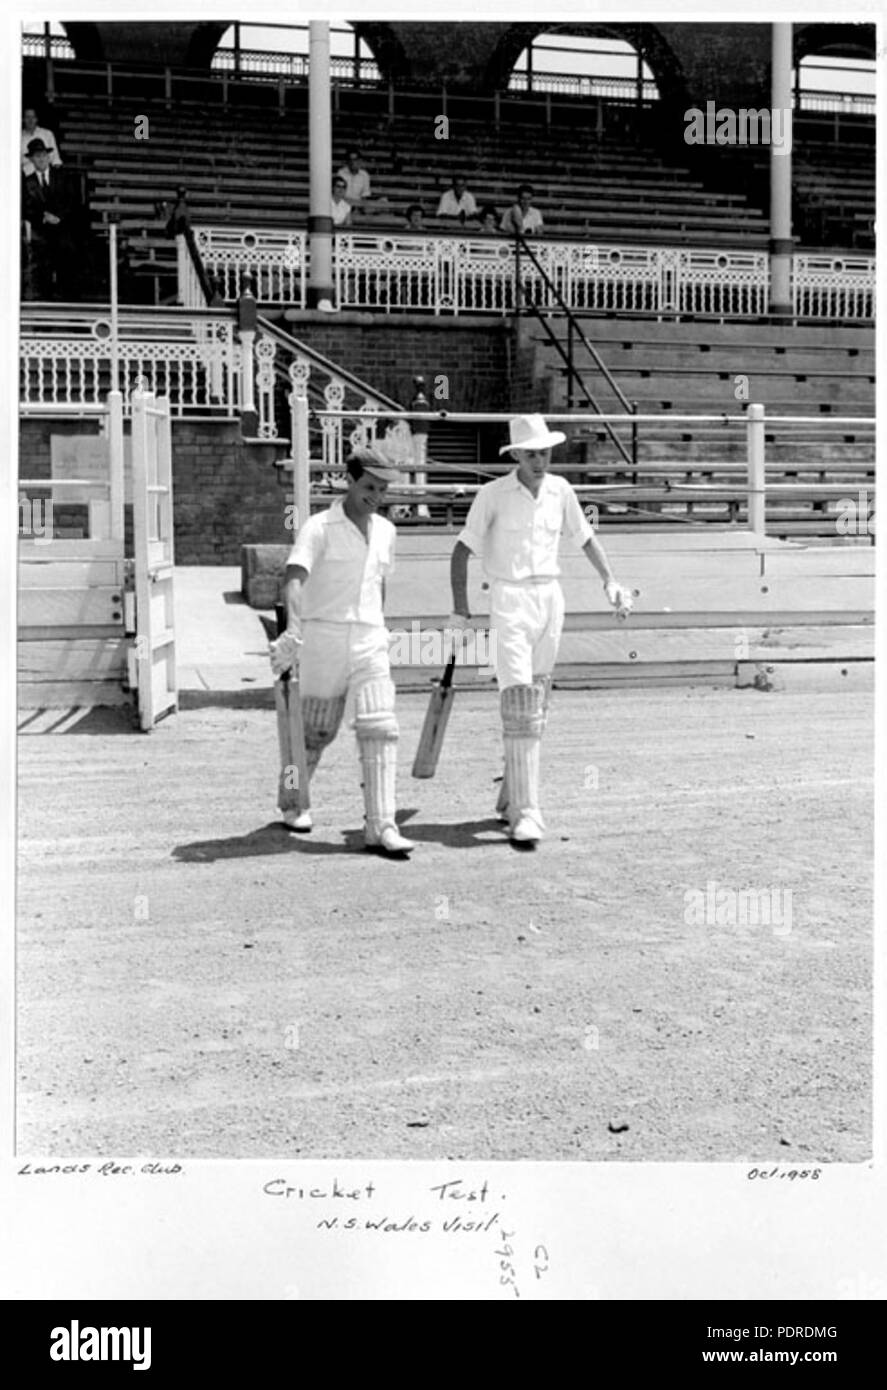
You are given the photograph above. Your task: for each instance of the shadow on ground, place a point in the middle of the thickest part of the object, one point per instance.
(260, 697)
(274, 838)
(97, 719)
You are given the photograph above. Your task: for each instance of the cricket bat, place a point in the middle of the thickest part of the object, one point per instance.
(292, 787)
(435, 726)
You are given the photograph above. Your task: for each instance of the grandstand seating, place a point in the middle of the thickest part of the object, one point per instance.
(833, 184)
(691, 368)
(248, 167)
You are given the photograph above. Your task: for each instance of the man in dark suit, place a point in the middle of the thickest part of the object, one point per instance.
(54, 213)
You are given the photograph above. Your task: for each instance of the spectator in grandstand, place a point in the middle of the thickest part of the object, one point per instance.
(357, 180)
(31, 130)
(415, 218)
(340, 206)
(457, 203)
(522, 216)
(179, 219)
(54, 214)
(129, 289)
(489, 220)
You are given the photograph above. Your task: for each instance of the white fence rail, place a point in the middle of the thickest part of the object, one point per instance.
(476, 275)
(834, 287)
(668, 489)
(277, 259)
(67, 360)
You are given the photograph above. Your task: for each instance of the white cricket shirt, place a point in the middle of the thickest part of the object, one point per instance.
(345, 572)
(515, 534)
(357, 185)
(516, 220)
(451, 206)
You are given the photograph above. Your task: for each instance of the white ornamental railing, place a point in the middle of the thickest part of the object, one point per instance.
(276, 259)
(278, 359)
(833, 287)
(72, 359)
(476, 275)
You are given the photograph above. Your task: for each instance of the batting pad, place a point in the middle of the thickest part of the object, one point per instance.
(523, 719)
(374, 717)
(320, 721)
(378, 758)
(523, 710)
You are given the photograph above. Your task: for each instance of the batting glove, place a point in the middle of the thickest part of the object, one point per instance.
(284, 653)
(619, 597)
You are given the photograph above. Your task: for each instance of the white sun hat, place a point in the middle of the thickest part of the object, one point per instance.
(531, 432)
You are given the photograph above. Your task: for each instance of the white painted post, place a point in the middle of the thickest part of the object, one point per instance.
(301, 458)
(756, 471)
(116, 455)
(781, 245)
(247, 318)
(115, 323)
(247, 395)
(420, 403)
(320, 222)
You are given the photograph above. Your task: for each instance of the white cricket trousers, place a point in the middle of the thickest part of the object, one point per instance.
(526, 622)
(337, 658)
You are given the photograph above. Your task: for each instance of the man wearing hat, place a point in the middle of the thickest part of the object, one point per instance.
(32, 130)
(52, 210)
(335, 590)
(514, 526)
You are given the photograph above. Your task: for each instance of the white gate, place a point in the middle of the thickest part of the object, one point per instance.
(152, 670)
(72, 647)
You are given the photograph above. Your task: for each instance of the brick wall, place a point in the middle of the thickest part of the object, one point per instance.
(225, 493)
(387, 352)
(533, 386)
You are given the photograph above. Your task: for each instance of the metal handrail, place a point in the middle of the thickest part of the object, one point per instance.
(665, 418)
(571, 318)
(317, 359)
(573, 326)
(203, 279)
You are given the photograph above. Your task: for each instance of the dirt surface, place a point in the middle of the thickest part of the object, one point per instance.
(194, 980)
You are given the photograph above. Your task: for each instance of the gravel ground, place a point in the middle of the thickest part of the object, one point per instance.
(193, 980)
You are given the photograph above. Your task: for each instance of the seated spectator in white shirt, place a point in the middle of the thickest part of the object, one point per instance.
(522, 216)
(488, 218)
(415, 218)
(357, 180)
(457, 202)
(32, 131)
(340, 207)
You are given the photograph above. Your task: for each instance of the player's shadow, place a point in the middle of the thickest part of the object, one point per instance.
(273, 838)
(467, 834)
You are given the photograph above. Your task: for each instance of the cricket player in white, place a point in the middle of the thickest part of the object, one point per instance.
(335, 588)
(514, 526)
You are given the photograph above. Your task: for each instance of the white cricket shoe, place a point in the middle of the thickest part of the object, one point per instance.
(297, 820)
(390, 841)
(526, 831)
